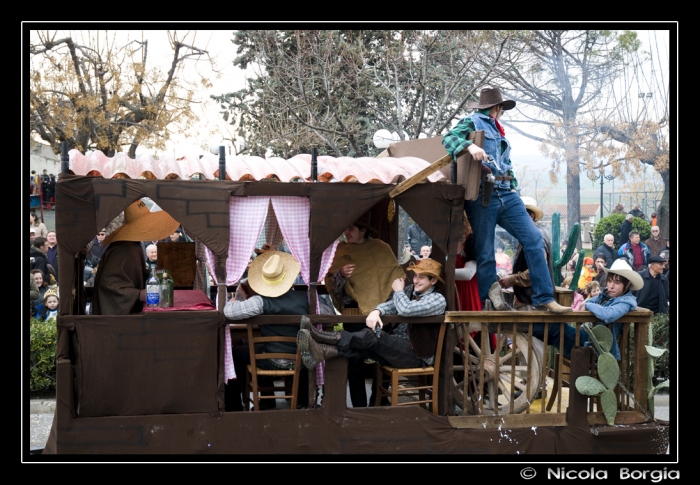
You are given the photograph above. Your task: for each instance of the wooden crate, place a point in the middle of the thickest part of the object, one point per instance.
(179, 258)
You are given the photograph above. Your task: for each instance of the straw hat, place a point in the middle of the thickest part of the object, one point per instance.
(531, 204)
(427, 266)
(273, 273)
(622, 268)
(140, 224)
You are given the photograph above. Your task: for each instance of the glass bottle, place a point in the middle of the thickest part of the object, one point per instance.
(152, 290)
(166, 289)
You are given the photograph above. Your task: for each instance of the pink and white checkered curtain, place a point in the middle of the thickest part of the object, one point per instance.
(247, 218)
(293, 218)
(248, 215)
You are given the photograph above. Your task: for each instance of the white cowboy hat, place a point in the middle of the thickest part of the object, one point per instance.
(272, 273)
(621, 267)
(531, 204)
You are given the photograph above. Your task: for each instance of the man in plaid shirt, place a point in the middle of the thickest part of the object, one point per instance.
(407, 346)
(503, 206)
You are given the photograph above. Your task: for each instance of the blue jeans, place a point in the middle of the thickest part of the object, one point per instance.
(508, 211)
(553, 336)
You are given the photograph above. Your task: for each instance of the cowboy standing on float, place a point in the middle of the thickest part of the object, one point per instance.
(498, 203)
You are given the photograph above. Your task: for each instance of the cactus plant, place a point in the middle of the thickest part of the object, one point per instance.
(558, 259)
(577, 271)
(608, 371)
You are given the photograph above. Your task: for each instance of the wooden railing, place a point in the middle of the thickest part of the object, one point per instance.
(516, 377)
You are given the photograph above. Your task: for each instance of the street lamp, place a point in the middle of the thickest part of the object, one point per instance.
(382, 138)
(602, 178)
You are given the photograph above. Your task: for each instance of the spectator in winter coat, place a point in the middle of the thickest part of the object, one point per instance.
(636, 211)
(636, 253)
(33, 293)
(625, 230)
(656, 243)
(655, 293)
(619, 209)
(37, 304)
(607, 249)
(37, 255)
(416, 238)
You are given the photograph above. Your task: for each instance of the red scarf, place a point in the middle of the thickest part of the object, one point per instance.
(500, 128)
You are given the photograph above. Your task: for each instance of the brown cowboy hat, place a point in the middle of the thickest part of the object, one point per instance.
(272, 273)
(489, 97)
(364, 223)
(140, 224)
(427, 266)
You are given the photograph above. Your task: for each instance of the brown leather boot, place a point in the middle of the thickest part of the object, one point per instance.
(497, 299)
(320, 336)
(554, 307)
(312, 353)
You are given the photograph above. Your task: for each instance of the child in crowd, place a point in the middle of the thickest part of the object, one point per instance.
(587, 273)
(50, 304)
(592, 289)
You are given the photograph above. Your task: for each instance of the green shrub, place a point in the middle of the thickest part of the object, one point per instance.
(659, 339)
(612, 225)
(42, 355)
(659, 332)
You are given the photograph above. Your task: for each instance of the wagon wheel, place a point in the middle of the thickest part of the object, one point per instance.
(496, 383)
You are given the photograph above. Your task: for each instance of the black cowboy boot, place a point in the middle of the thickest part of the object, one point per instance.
(320, 336)
(312, 353)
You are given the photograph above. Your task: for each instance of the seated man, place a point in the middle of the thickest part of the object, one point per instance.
(406, 347)
(120, 287)
(269, 291)
(617, 299)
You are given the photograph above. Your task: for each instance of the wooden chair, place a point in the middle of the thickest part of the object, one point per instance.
(253, 372)
(412, 382)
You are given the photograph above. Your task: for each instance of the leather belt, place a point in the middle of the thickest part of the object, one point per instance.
(501, 177)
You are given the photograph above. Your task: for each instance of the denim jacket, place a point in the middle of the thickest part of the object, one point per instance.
(492, 146)
(610, 311)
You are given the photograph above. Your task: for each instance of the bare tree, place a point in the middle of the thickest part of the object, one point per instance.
(94, 93)
(534, 183)
(564, 79)
(640, 120)
(336, 88)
